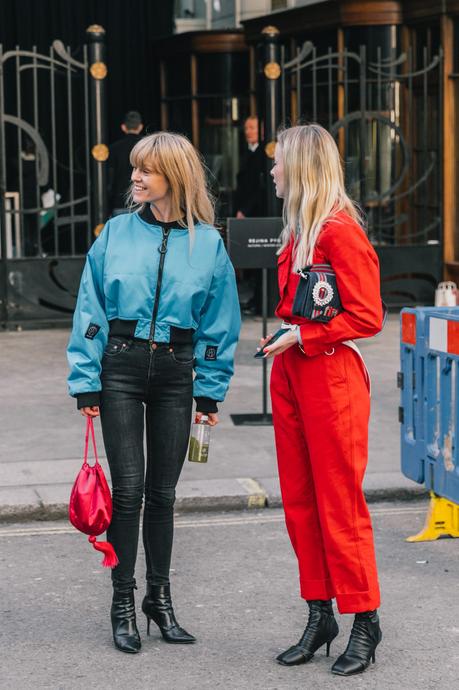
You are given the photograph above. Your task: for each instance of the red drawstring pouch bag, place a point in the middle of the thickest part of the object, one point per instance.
(90, 507)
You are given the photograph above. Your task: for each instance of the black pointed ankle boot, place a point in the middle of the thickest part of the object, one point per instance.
(321, 629)
(125, 634)
(365, 636)
(157, 606)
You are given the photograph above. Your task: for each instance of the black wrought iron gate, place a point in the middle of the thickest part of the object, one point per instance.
(385, 112)
(52, 176)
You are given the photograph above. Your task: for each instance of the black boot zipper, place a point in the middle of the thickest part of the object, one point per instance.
(162, 255)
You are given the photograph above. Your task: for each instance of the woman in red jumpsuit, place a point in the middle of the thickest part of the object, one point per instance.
(321, 400)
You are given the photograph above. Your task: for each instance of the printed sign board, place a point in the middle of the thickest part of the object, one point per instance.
(253, 242)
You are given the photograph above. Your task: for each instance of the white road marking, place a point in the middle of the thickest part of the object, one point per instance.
(180, 522)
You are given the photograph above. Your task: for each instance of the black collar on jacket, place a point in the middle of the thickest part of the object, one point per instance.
(148, 216)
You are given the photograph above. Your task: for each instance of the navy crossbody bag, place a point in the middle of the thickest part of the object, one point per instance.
(317, 296)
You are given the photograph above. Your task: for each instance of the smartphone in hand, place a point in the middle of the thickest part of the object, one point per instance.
(260, 354)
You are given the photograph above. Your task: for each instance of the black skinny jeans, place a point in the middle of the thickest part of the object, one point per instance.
(156, 385)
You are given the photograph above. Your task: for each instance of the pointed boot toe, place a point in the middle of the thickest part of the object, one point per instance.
(177, 635)
(127, 643)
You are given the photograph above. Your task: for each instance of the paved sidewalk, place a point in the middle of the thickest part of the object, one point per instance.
(41, 434)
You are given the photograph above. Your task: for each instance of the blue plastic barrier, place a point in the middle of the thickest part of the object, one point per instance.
(410, 380)
(429, 382)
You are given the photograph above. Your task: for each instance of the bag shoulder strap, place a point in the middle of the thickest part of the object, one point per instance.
(315, 268)
(90, 429)
(320, 267)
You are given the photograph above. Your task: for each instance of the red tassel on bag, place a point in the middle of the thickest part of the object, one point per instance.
(111, 559)
(90, 507)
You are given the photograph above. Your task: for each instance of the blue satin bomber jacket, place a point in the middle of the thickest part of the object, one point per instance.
(119, 281)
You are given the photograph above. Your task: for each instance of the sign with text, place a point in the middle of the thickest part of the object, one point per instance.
(253, 242)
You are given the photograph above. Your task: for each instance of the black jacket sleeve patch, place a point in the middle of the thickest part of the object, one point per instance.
(211, 353)
(92, 331)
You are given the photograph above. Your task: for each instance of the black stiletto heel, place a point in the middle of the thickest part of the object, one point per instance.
(157, 606)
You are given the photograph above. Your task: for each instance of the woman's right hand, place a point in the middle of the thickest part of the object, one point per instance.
(90, 411)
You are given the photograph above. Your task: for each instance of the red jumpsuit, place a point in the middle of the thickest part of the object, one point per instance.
(321, 407)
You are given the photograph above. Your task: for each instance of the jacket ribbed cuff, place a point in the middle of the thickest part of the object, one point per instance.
(91, 399)
(206, 405)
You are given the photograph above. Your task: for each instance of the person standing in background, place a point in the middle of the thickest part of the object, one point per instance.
(119, 167)
(249, 191)
(249, 203)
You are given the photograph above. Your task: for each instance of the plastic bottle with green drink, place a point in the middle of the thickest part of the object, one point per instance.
(199, 440)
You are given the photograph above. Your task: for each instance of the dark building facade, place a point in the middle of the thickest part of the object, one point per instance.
(382, 76)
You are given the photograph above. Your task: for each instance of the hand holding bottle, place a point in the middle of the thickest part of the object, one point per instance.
(213, 419)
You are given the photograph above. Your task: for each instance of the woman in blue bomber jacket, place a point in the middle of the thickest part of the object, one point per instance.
(157, 300)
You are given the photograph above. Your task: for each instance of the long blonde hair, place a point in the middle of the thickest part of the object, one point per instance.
(175, 157)
(313, 188)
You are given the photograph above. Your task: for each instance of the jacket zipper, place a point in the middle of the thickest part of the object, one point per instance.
(162, 255)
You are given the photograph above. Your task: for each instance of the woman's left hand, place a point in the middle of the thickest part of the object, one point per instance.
(282, 344)
(213, 418)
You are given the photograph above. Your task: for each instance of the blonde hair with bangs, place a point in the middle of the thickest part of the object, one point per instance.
(314, 188)
(175, 157)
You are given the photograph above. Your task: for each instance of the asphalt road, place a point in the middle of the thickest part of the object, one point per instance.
(235, 587)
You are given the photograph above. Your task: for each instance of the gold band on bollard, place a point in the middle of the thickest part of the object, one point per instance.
(272, 70)
(270, 30)
(95, 29)
(98, 70)
(100, 152)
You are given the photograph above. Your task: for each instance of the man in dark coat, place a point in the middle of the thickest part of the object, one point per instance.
(250, 179)
(119, 167)
(249, 203)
